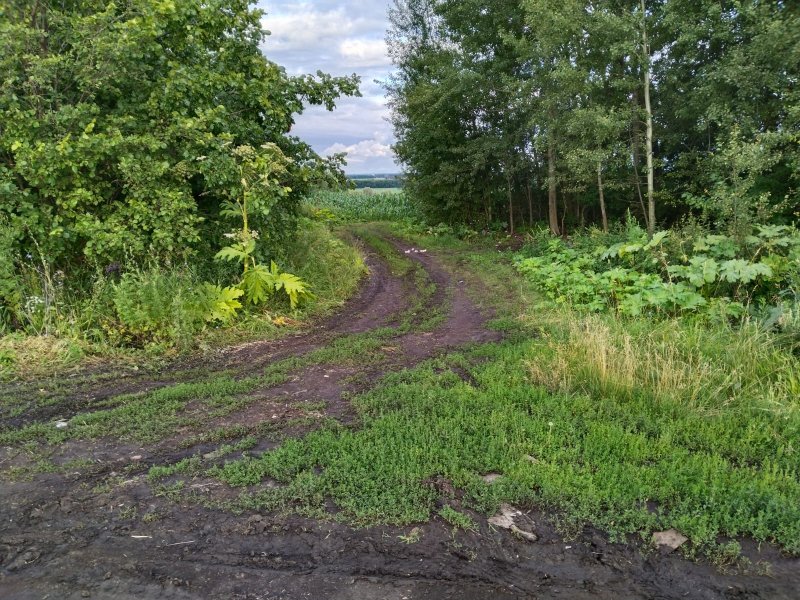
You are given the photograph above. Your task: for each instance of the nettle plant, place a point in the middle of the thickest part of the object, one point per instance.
(259, 175)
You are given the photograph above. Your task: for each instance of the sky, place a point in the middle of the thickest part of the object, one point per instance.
(340, 38)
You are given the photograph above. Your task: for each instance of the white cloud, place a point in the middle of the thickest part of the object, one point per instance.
(305, 28)
(365, 149)
(364, 53)
(373, 152)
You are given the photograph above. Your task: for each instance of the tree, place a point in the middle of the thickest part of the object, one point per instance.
(118, 120)
(646, 69)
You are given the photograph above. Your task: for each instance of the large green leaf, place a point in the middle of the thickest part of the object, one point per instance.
(742, 271)
(238, 252)
(258, 284)
(295, 288)
(222, 302)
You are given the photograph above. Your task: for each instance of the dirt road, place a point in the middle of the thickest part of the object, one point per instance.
(97, 527)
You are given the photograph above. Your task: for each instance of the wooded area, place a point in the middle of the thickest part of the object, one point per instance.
(578, 112)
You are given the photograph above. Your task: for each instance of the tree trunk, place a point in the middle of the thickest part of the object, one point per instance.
(602, 197)
(529, 193)
(651, 201)
(509, 181)
(552, 193)
(636, 138)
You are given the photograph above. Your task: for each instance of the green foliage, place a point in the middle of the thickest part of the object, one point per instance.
(165, 308)
(621, 416)
(505, 110)
(220, 304)
(457, 519)
(294, 287)
(377, 183)
(9, 290)
(714, 274)
(332, 267)
(240, 252)
(126, 128)
(259, 177)
(153, 307)
(734, 203)
(259, 283)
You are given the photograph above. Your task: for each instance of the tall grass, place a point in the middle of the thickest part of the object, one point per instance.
(155, 308)
(708, 368)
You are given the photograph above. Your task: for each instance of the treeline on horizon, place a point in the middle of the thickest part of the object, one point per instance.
(579, 112)
(361, 182)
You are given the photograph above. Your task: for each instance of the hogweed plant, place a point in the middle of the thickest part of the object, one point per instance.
(260, 175)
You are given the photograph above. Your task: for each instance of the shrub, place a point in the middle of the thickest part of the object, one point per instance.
(157, 307)
(9, 291)
(713, 274)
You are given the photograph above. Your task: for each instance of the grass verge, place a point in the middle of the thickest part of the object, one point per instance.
(86, 333)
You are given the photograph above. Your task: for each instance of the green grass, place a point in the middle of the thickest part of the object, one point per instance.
(457, 519)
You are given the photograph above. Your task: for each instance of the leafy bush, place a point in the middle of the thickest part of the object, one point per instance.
(9, 292)
(128, 162)
(714, 274)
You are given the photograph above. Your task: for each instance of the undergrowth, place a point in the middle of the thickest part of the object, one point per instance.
(150, 311)
(674, 274)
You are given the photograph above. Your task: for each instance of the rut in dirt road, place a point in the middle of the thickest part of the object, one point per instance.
(98, 527)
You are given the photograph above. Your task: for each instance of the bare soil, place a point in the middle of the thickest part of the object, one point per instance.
(72, 535)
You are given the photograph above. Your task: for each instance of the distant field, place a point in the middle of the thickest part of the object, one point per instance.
(367, 205)
(391, 190)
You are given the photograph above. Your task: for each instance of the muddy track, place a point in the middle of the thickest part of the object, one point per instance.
(63, 537)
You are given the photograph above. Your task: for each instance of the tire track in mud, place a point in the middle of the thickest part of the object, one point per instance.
(62, 538)
(79, 395)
